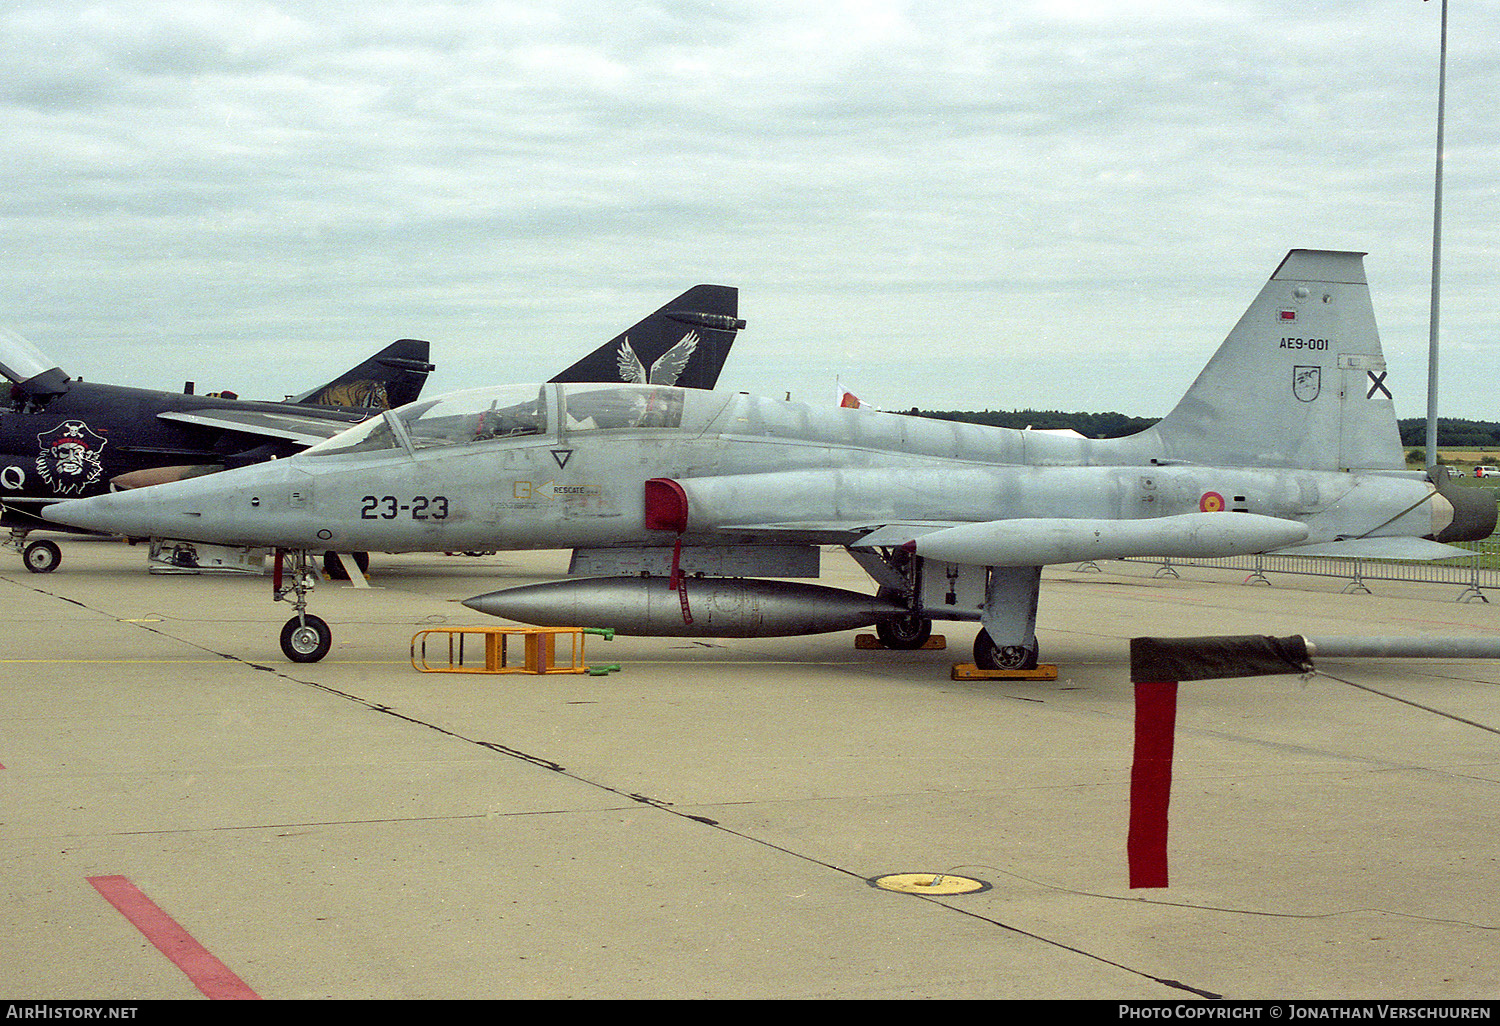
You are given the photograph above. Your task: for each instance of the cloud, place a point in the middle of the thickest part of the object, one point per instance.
(1056, 204)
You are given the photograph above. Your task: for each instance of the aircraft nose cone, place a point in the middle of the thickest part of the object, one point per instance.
(138, 513)
(98, 513)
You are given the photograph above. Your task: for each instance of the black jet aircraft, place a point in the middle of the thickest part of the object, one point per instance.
(64, 438)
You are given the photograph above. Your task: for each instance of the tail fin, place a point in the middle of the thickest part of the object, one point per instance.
(684, 343)
(392, 377)
(1300, 381)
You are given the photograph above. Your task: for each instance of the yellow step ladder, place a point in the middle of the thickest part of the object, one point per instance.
(538, 651)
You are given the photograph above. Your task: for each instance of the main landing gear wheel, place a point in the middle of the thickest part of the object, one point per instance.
(904, 632)
(306, 639)
(41, 557)
(990, 656)
(907, 631)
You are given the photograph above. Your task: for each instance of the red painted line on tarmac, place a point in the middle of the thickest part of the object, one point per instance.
(206, 972)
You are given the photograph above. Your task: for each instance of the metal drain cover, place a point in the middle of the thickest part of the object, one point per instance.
(928, 883)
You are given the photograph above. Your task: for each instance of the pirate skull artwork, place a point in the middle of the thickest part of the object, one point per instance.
(70, 457)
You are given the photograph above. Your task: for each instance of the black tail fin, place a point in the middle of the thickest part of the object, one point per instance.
(392, 377)
(684, 343)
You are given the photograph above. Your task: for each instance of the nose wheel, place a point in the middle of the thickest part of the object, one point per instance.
(304, 638)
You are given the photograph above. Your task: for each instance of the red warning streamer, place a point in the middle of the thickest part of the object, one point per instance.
(1151, 782)
(667, 510)
(679, 581)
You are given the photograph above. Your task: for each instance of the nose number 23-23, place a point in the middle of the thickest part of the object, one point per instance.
(388, 507)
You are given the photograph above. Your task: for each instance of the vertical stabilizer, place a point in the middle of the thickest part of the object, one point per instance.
(684, 343)
(1299, 382)
(392, 377)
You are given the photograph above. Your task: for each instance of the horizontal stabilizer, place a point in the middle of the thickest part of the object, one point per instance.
(1419, 549)
(1041, 541)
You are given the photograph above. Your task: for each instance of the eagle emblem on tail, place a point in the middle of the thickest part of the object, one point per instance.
(667, 368)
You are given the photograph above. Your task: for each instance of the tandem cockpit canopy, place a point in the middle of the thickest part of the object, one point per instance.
(510, 412)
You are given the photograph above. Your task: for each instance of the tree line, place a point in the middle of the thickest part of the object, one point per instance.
(1453, 433)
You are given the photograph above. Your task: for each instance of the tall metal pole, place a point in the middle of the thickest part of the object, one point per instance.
(1437, 251)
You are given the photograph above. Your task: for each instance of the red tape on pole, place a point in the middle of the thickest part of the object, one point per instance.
(1151, 782)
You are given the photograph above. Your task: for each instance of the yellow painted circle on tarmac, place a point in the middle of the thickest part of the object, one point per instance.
(929, 883)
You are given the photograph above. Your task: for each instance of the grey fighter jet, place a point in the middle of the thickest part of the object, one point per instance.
(701, 513)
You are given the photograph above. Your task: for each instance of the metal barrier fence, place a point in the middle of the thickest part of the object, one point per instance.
(1471, 575)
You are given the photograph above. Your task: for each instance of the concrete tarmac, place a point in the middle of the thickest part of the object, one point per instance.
(706, 822)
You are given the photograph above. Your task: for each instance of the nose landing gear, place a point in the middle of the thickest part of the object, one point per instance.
(304, 638)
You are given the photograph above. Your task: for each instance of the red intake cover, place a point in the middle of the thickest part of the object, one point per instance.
(666, 505)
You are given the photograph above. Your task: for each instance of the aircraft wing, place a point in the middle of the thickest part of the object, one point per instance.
(293, 427)
(1402, 548)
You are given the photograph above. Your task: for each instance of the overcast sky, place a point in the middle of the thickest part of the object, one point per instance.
(948, 204)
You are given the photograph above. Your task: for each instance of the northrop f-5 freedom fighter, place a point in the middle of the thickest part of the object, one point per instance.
(689, 510)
